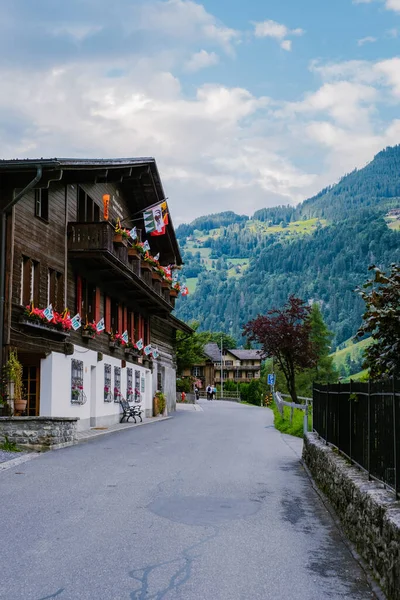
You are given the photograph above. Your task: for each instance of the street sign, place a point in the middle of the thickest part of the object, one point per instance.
(271, 378)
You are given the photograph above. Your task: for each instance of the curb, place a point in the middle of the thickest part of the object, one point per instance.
(14, 462)
(133, 426)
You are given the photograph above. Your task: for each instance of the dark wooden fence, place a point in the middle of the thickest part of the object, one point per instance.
(363, 421)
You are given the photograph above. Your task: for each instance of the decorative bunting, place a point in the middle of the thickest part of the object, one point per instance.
(139, 344)
(155, 353)
(146, 246)
(157, 256)
(100, 326)
(147, 350)
(76, 322)
(125, 337)
(49, 313)
(133, 233)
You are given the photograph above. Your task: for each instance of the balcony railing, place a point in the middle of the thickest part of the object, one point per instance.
(97, 245)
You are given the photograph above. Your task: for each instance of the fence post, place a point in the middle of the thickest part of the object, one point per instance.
(326, 412)
(305, 422)
(395, 437)
(369, 430)
(291, 414)
(350, 411)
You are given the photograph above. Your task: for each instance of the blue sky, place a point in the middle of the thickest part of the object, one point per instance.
(243, 104)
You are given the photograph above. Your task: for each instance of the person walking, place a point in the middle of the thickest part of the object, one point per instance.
(209, 392)
(214, 393)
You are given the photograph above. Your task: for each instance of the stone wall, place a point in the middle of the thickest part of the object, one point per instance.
(39, 433)
(369, 513)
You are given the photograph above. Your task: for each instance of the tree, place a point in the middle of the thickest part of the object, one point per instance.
(285, 334)
(227, 340)
(381, 295)
(189, 348)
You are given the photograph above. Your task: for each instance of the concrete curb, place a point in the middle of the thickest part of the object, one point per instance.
(92, 435)
(14, 462)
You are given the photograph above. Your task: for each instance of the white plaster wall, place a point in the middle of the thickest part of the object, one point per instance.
(55, 388)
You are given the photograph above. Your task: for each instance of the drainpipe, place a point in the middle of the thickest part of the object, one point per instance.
(3, 213)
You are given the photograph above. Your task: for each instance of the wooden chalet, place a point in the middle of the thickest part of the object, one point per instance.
(59, 247)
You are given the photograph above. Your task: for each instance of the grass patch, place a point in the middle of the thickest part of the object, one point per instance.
(191, 283)
(353, 349)
(282, 423)
(8, 446)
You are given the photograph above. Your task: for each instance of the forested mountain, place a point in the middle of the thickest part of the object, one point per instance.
(319, 250)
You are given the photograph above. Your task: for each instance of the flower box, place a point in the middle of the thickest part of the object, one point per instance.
(166, 285)
(173, 293)
(113, 344)
(146, 266)
(156, 276)
(133, 252)
(44, 327)
(120, 240)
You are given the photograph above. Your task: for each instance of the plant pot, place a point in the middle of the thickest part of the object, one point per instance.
(173, 293)
(133, 253)
(166, 285)
(119, 240)
(112, 345)
(155, 407)
(20, 405)
(146, 266)
(88, 335)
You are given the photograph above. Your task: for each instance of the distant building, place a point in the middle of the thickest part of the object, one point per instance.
(239, 366)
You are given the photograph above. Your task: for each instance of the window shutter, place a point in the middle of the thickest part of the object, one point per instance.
(120, 330)
(97, 305)
(79, 295)
(108, 313)
(125, 320)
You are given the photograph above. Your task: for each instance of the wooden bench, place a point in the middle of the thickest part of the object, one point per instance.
(130, 411)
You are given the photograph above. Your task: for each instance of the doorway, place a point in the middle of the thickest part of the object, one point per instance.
(31, 383)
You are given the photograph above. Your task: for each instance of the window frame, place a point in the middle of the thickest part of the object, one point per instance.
(42, 204)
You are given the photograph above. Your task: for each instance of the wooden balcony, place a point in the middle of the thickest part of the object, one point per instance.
(95, 250)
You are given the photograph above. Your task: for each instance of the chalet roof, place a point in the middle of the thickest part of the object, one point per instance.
(246, 354)
(212, 351)
(138, 178)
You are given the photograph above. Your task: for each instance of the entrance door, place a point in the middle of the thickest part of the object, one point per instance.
(31, 382)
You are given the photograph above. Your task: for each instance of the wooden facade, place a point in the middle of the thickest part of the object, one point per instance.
(60, 249)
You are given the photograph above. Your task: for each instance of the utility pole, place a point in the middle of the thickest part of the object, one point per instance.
(222, 369)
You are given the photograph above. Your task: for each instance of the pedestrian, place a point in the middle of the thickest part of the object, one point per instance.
(209, 392)
(214, 393)
(196, 392)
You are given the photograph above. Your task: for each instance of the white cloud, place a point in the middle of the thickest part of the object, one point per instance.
(201, 60)
(366, 40)
(187, 20)
(389, 4)
(277, 31)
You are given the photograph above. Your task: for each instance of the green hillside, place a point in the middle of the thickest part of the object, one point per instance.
(237, 267)
(348, 359)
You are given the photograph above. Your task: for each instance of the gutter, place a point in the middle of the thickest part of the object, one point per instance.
(3, 214)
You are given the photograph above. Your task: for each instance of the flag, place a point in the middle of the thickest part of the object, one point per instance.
(125, 337)
(48, 313)
(155, 353)
(155, 219)
(133, 233)
(139, 344)
(157, 256)
(147, 350)
(168, 272)
(184, 291)
(175, 276)
(146, 246)
(100, 326)
(76, 322)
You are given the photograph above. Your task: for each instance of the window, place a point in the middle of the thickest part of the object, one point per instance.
(250, 375)
(86, 299)
(229, 363)
(55, 289)
(107, 383)
(77, 394)
(30, 281)
(117, 384)
(159, 381)
(197, 372)
(225, 374)
(88, 210)
(129, 384)
(42, 204)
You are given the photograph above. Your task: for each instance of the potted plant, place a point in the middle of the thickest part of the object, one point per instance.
(159, 404)
(121, 236)
(14, 370)
(89, 331)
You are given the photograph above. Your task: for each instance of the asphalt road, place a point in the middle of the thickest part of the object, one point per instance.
(210, 505)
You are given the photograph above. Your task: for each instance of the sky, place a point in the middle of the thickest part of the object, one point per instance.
(243, 104)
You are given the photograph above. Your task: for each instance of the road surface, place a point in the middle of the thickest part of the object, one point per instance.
(209, 505)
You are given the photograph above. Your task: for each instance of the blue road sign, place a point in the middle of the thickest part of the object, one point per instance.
(271, 379)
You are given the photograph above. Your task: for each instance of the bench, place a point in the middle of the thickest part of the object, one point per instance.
(130, 411)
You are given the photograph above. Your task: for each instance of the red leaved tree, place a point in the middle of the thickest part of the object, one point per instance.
(285, 335)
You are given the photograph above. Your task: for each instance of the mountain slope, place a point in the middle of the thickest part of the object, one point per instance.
(321, 263)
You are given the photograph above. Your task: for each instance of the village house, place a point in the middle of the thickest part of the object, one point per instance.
(239, 366)
(65, 247)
